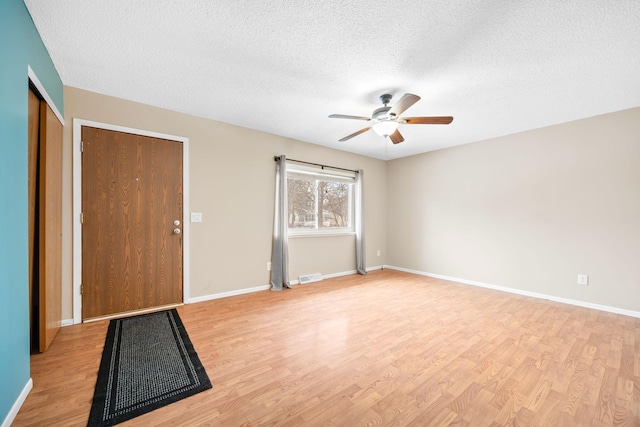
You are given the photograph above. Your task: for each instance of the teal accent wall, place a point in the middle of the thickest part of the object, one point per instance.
(20, 47)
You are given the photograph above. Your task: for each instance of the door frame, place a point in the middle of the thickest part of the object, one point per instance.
(33, 78)
(77, 205)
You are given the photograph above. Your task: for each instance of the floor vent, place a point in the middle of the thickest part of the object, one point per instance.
(315, 277)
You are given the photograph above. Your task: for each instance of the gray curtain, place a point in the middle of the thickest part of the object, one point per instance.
(280, 250)
(361, 264)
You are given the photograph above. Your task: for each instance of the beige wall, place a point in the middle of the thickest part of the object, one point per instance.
(527, 211)
(232, 183)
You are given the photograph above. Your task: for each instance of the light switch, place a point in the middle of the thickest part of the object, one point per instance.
(196, 216)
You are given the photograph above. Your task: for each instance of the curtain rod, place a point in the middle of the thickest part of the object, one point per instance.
(316, 164)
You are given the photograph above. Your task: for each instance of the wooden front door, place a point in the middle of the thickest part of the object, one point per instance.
(132, 222)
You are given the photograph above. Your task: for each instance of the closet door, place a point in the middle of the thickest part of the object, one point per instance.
(49, 226)
(34, 146)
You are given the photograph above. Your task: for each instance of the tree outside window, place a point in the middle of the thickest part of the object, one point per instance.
(319, 202)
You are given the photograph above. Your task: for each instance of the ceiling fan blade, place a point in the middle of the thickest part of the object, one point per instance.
(354, 134)
(396, 137)
(407, 100)
(442, 120)
(343, 116)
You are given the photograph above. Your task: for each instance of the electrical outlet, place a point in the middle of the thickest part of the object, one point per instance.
(378, 252)
(268, 266)
(583, 279)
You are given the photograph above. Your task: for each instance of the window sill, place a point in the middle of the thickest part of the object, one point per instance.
(335, 234)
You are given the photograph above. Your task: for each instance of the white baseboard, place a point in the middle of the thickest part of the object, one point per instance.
(228, 294)
(349, 272)
(340, 274)
(18, 404)
(600, 307)
(267, 287)
(66, 322)
(343, 273)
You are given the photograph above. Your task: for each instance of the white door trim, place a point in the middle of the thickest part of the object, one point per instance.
(43, 92)
(77, 205)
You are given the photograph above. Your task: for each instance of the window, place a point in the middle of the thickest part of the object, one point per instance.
(319, 202)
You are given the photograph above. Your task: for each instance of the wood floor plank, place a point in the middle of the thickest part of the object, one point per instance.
(386, 349)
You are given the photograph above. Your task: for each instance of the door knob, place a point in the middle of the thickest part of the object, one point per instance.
(176, 231)
(176, 222)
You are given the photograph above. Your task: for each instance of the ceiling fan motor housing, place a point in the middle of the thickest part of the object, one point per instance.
(381, 113)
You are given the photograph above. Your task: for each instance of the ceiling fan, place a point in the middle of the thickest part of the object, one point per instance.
(385, 120)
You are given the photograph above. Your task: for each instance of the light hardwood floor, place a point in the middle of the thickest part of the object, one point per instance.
(386, 349)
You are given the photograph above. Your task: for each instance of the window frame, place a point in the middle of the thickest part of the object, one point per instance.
(320, 174)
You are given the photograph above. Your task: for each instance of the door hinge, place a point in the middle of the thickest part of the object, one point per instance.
(81, 146)
(81, 217)
(81, 289)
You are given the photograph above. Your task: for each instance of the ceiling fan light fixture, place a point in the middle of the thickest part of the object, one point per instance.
(385, 127)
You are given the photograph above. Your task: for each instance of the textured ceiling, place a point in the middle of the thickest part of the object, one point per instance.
(282, 67)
